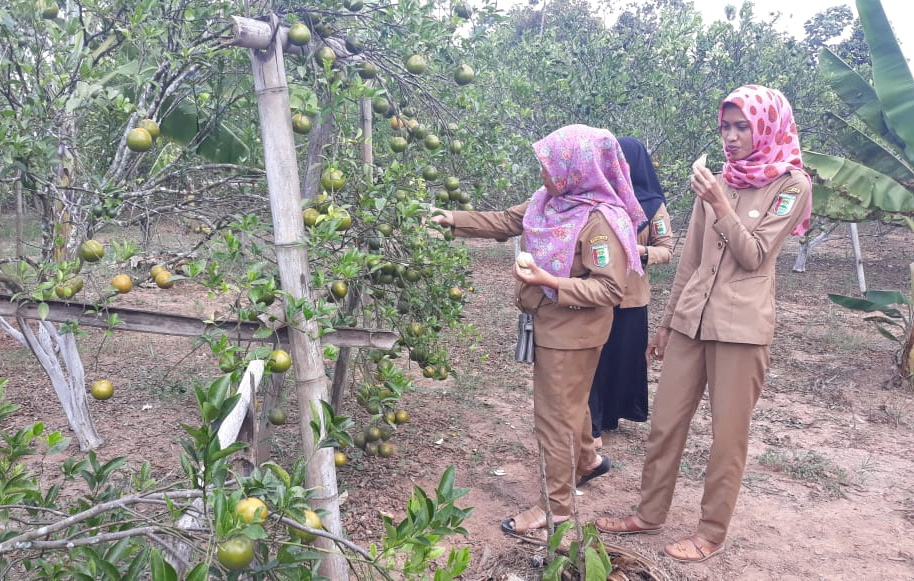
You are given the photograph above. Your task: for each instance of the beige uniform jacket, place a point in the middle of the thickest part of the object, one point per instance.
(724, 285)
(657, 238)
(583, 315)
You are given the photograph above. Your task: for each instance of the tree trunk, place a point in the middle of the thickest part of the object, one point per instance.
(341, 369)
(800, 264)
(20, 220)
(292, 258)
(59, 357)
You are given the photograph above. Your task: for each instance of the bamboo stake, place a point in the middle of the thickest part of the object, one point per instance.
(292, 258)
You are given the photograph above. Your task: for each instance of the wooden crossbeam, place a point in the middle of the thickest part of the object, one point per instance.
(182, 326)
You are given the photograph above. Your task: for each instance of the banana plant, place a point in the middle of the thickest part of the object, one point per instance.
(879, 181)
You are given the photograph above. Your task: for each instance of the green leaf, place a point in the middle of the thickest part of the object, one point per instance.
(891, 75)
(554, 571)
(856, 92)
(198, 573)
(43, 310)
(883, 297)
(160, 569)
(872, 154)
(594, 568)
(872, 188)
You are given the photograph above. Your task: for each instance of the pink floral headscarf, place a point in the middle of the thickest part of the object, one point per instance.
(588, 167)
(775, 143)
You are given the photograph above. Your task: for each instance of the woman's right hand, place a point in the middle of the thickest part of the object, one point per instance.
(441, 216)
(657, 345)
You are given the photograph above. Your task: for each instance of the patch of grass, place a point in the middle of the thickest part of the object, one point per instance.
(808, 467)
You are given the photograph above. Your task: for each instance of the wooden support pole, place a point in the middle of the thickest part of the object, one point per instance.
(294, 272)
(858, 258)
(182, 326)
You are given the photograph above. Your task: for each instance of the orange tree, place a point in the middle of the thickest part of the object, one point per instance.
(110, 74)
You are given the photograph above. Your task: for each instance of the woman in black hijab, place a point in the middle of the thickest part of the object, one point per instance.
(620, 385)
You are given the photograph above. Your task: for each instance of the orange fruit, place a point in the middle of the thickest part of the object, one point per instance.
(279, 361)
(310, 519)
(402, 416)
(122, 283)
(251, 509)
(236, 553)
(277, 416)
(138, 139)
(339, 289)
(102, 389)
(299, 34)
(91, 250)
(464, 75)
(339, 459)
(416, 64)
(150, 126)
(163, 279)
(301, 123)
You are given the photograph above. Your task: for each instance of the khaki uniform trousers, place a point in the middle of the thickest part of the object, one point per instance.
(561, 386)
(734, 374)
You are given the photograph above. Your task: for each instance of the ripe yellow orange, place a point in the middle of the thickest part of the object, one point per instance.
(91, 251)
(339, 289)
(102, 389)
(163, 279)
(386, 450)
(339, 459)
(155, 270)
(397, 123)
(138, 139)
(402, 416)
(151, 126)
(251, 509)
(310, 519)
(122, 283)
(455, 293)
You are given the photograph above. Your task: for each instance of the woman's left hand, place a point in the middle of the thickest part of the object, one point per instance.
(708, 189)
(534, 275)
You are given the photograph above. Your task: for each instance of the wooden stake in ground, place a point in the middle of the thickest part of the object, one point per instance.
(292, 258)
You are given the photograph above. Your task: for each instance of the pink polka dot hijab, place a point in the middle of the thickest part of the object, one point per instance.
(588, 167)
(775, 143)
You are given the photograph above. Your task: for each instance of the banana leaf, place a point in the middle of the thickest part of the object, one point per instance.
(222, 145)
(838, 204)
(871, 153)
(864, 305)
(873, 189)
(891, 76)
(856, 93)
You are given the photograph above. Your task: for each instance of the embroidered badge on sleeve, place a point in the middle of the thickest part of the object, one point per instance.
(600, 253)
(783, 204)
(660, 228)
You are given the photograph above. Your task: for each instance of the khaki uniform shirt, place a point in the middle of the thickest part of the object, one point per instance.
(657, 238)
(583, 314)
(724, 285)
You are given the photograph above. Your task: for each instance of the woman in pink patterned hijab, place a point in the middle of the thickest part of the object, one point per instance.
(775, 142)
(580, 228)
(589, 172)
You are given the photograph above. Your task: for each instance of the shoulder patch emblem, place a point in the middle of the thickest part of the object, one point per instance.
(783, 204)
(791, 190)
(660, 228)
(600, 253)
(598, 238)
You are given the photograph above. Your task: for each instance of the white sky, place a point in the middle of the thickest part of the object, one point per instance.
(794, 13)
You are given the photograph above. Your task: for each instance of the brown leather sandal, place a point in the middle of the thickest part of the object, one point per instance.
(624, 526)
(693, 550)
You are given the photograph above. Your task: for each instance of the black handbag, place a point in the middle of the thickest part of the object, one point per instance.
(523, 352)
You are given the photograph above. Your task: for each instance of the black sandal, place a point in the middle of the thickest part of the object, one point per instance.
(600, 470)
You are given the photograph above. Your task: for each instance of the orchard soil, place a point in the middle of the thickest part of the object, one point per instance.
(828, 491)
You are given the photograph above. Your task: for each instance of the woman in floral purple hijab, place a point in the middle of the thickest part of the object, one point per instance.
(580, 228)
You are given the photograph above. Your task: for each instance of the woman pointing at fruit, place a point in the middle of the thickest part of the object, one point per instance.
(719, 321)
(579, 229)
